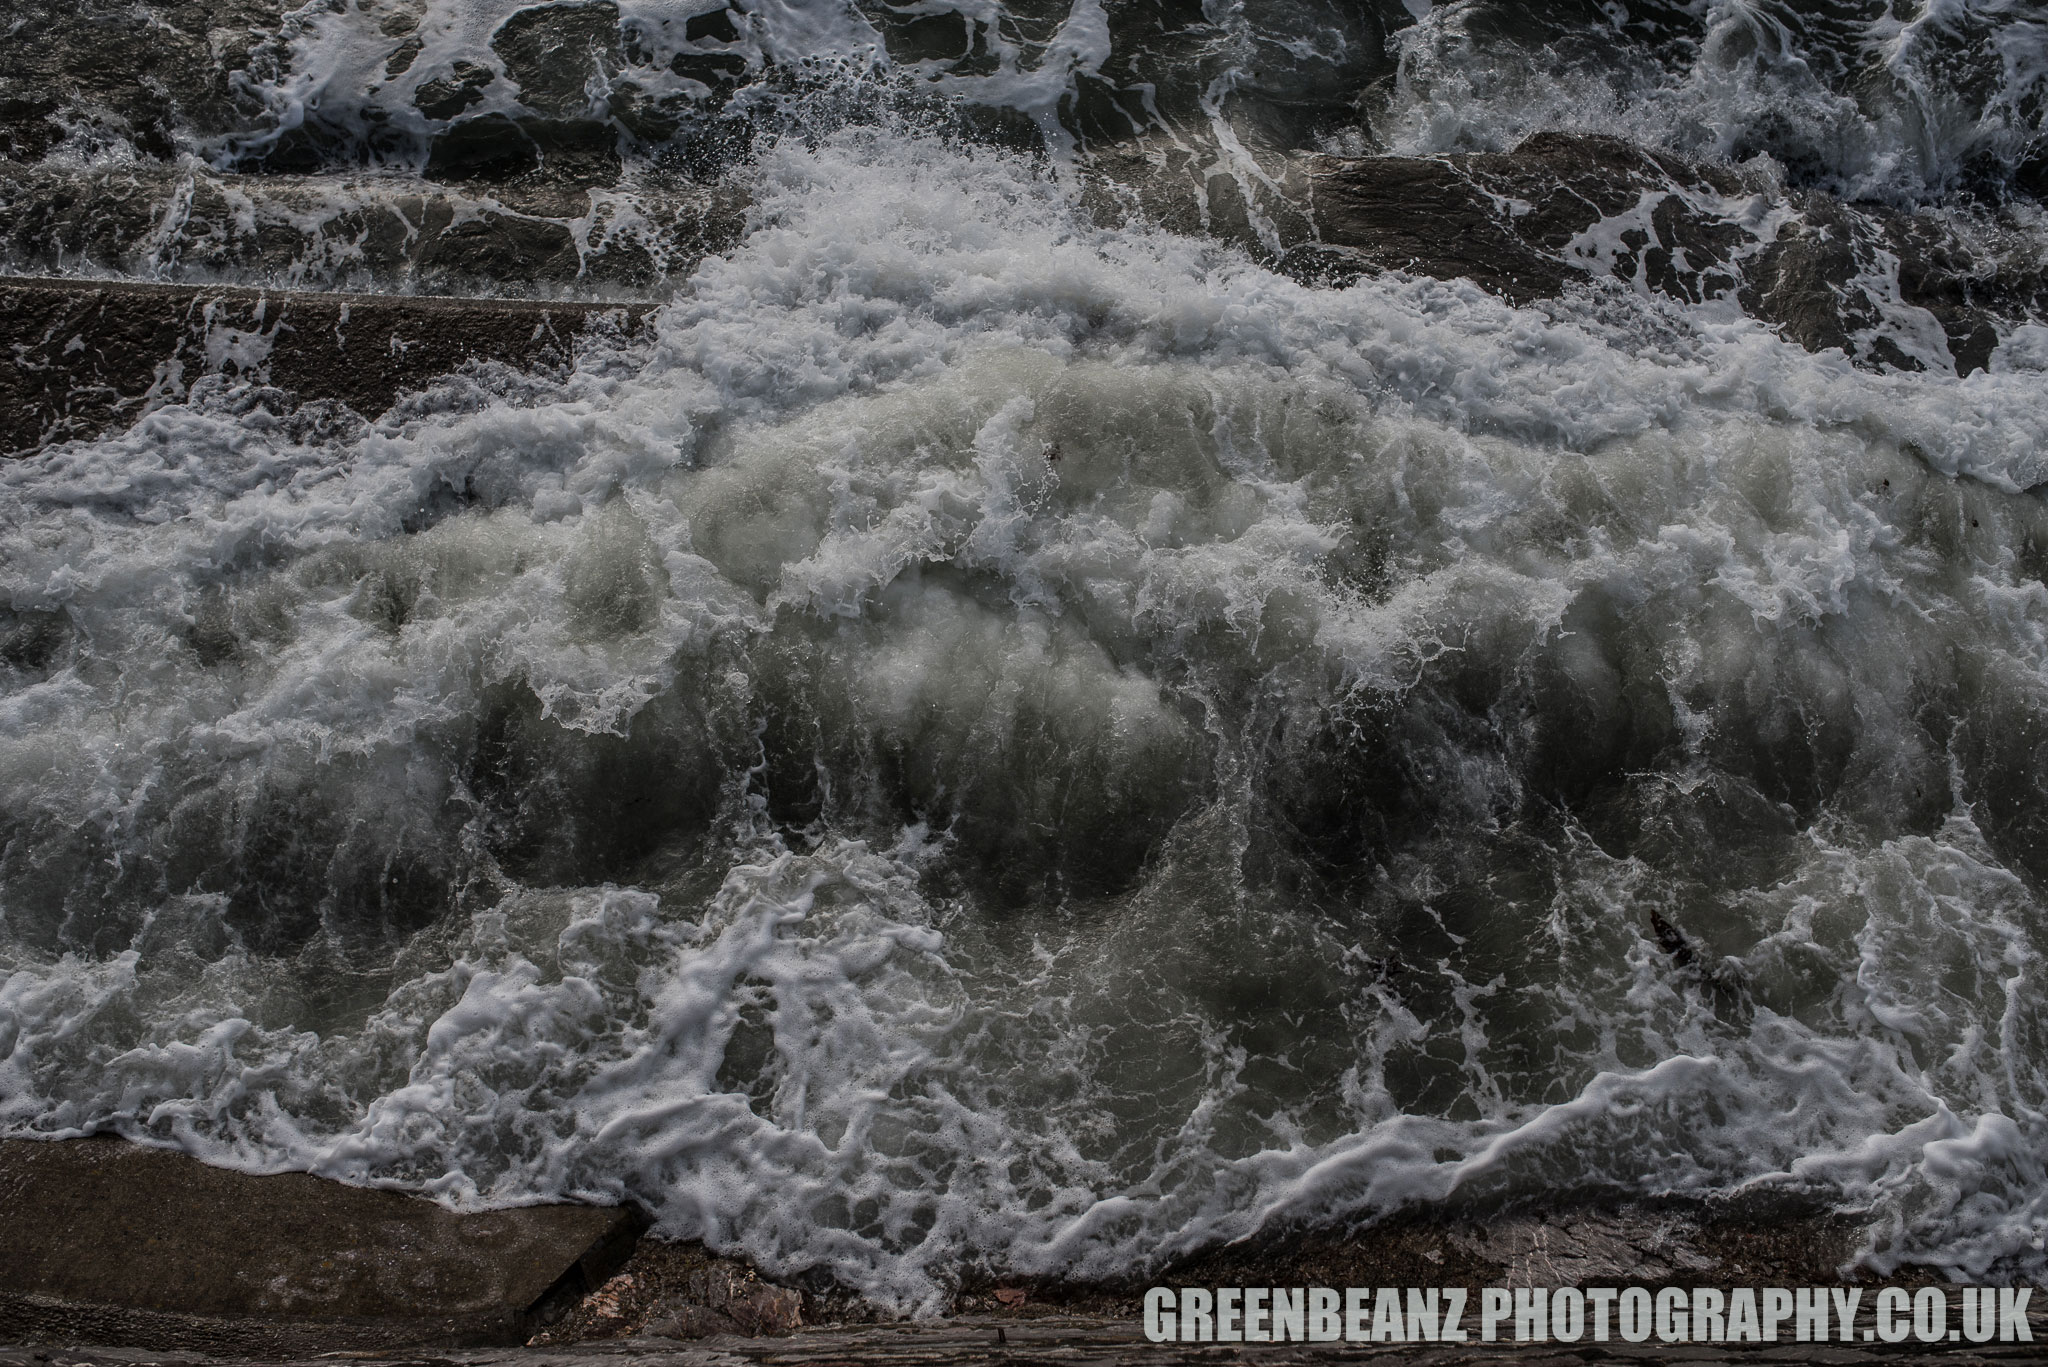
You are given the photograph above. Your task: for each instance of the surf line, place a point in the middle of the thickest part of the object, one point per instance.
(1672, 1314)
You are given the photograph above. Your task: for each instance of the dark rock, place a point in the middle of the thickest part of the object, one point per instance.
(1765, 1239)
(718, 26)
(1401, 213)
(492, 147)
(1797, 282)
(717, 72)
(1864, 278)
(1158, 120)
(401, 59)
(89, 356)
(112, 1242)
(131, 71)
(553, 51)
(681, 1291)
(725, 1300)
(500, 148)
(498, 246)
(444, 97)
(918, 37)
(372, 232)
(1781, 1240)
(1093, 1340)
(647, 117)
(1511, 221)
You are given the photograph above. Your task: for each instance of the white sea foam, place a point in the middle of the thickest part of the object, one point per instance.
(822, 772)
(1893, 107)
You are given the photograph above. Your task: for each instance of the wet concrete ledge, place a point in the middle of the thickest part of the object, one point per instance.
(90, 356)
(105, 1241)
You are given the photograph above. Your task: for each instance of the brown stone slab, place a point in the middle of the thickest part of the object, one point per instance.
(114, 1242)
(87, 356)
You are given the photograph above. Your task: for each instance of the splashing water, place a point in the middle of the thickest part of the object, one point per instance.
(990, 740)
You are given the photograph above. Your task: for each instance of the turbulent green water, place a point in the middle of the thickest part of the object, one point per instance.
(988, 739)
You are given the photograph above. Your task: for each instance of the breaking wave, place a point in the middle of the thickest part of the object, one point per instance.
(998, 736)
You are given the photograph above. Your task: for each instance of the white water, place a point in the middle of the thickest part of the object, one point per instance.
(1890, 103)
(324, 852)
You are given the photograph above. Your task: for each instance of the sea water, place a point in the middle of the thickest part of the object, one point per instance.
(994, 736)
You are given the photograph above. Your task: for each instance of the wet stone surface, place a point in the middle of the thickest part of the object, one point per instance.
(681, 1291)
(130, 74)
(109, 1241)
(91, 357)
(363, 233)
(1890, 287)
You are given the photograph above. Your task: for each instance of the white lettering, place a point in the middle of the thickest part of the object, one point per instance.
(1671, 1325)
(1635, 1314)
(1454, 1308)
(1195, 1324)
(1600, 1298)
(1930, 1315)
(1706, 1315)
(1287, 1314)
(1742, 1321)
(1568, 1314)
(1159, 1325)
(1229, 1314)
(1701, 1314)
(1845, 1312)
(1810, 1314)
(1531, 1324)
(1980, 1314)
(1777, 1309)
(1493, 1308)
(1386, 1317)
(1421, 1315)
(1325, 1325)
(1891, 1301)
(2012, 1315)
(1356, 1329)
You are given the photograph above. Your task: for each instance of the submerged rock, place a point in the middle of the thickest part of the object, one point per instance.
(1429, 217)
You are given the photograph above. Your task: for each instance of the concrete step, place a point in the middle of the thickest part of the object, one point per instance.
(106, 1241)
